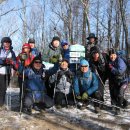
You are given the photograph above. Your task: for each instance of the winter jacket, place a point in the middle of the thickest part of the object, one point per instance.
(101, 66)
(6, 55)
(65, 54)
(34, 84)
(85, 82)
(87, 49)
(51, 54)
(34, 52)
(118, 71)
(62, 80)
(20, 65)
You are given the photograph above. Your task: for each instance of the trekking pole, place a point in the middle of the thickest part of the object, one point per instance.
(101, 102)
(21, 102)
(9, 87)
(74, 95)
(55, 88)
(100, 79)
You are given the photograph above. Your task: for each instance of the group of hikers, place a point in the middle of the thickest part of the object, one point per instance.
(64, 84)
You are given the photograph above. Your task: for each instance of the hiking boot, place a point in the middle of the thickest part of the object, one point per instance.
(125, 103)
(27, 111)
(117, 111)
(36, 108)
(97, 109)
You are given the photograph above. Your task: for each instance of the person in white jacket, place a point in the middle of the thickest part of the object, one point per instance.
(7, 61)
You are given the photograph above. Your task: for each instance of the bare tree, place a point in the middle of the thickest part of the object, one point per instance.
(122, 4)
(2, 1)
(110, 23)
(24, 21)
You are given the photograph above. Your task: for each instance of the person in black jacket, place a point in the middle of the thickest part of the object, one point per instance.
(91, 43)
(98, 64)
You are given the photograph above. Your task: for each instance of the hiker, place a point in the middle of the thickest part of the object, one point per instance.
(52, 54)
(91, 43)
(117, 80)
(98, 64)
(86, 85)
(66, 55)
(35, 90)
(62, 81)
(34, 50)
(23, 61)
(65, 50)
(7, 61)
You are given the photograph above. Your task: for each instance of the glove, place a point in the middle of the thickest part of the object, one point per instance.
(53, 60)
(84, 96)
(78, 97)
(110, 66)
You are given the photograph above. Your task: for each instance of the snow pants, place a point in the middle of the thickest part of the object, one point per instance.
(46, 102)
(3, 87)
(63, 100)
(117, 94)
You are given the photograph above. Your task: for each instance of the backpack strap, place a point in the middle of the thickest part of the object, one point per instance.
(79, 79)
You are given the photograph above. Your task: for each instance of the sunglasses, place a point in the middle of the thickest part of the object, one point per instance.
(65, 44)
(38, 62)
(84, 66)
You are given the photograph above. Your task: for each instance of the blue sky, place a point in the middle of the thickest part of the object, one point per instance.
(12, 21)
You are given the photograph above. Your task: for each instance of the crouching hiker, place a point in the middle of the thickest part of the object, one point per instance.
(117, 80)
(86, 85)
(63, 82)
(35, 89)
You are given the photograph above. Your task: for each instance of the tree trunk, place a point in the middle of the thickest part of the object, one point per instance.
(109, 24)
(122, 11)
(85, 20)
(24, 21)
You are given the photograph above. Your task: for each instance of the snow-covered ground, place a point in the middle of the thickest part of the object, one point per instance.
(63, 119)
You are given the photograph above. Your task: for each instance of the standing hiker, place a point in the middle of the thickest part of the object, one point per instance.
(23, 61)
(117, 80)
(7, 61)
(34, 50)
(98, 64)
(91, 43)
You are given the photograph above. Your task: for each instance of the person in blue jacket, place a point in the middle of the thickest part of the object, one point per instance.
(34, 50)
(35, 89)
(65, 50)
(117, 79)
(86, 84)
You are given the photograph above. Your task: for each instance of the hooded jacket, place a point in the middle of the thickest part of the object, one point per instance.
(85, 82)
(51, 54)
(6, 54)
(118, 71)
(35, 84)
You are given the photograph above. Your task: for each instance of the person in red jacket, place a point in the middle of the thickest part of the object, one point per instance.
(24, 59)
